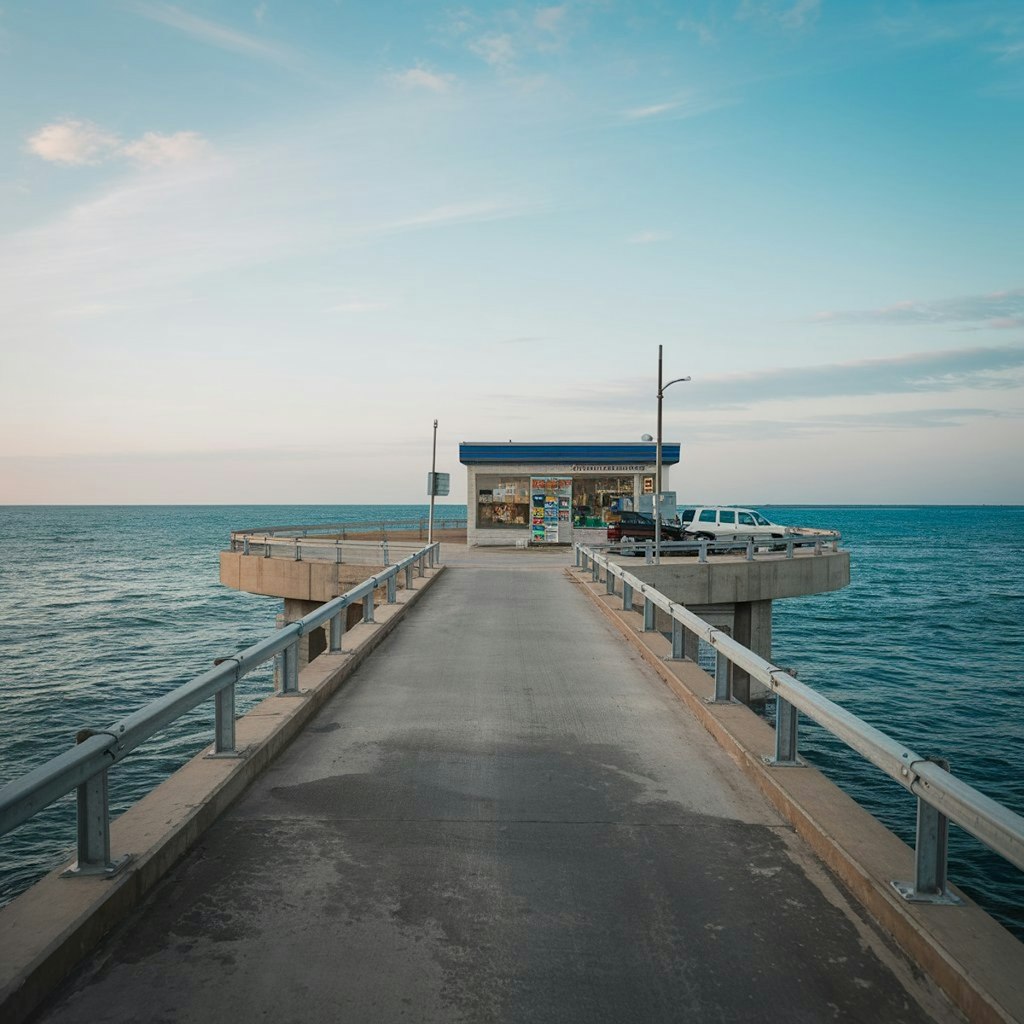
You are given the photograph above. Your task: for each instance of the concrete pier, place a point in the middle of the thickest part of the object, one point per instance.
(505, 815)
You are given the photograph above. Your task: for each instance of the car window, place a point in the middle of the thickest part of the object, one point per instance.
(727, 517)
(760, 519)
(687, 515)
(746, 519)
(707, 515)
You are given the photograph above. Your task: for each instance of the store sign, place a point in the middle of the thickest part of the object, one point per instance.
(439, 484)
(590, 467)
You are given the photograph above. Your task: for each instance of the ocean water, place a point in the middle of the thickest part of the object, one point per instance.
(105, 608)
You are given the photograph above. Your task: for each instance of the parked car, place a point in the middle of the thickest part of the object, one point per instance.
(639, 527)
(720, 522)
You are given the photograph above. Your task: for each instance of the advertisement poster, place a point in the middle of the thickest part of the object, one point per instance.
(552, 498)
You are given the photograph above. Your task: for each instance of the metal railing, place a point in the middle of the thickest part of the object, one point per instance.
(941, 796)
(789, 543)
(342, 530)
(84, 768)
(316, 549)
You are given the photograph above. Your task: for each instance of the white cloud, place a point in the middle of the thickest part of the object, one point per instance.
(75, 143)
(154, 149)
(550, 19)
(687, 106)
(80, 143)
(421, 78)
(648, 237)
(496, 48)
(213, 33)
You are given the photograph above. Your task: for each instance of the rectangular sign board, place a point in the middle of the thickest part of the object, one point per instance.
(439, 484)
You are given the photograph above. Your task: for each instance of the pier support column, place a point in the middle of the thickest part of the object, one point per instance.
(752, 628)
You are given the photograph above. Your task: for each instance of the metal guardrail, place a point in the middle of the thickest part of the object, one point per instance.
(314, 549)
(345, 528)
(941, 796)
(751, 547)
(84, 768)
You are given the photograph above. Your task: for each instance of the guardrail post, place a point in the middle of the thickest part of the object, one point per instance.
(224, 720)
(584, 561)
(789, 547)
(627, 597)
(703, 550)
(597, 570)
(930, 854)
(422, 569)
(723, 679)
(677, 640)
(93, 828)
(408, 576)
(817, 546)
(290, 668)
(649, 552)
(245, 545)
(337, 629)
(648, 615)
(576, 554)
(266, 549)
(430, 552)
(609, 579)
(386, 560)
(337, 552)
(750, 549)
(368, 607)
(298, 552)
(392, 589)
(786, 727)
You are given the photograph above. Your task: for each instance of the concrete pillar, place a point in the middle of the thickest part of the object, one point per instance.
(753, 629)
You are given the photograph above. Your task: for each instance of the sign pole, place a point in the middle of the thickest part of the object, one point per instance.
(433, 488)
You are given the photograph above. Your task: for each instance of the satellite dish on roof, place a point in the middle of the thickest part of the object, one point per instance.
(647, 437)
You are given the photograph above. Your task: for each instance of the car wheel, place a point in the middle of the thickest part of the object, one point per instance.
(705, 536)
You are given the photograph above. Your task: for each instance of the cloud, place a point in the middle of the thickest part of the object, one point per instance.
(550, 19)
(497, 49)
(649, 237)
(921, 373)
(687, 106)
(456, 213)
(213, 33)
(76, 143)
(1002, 310)
(154, 149)
(79, 143)
(788, 14)
(421, 78)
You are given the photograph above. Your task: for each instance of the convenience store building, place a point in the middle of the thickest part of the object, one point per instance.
(557, 493)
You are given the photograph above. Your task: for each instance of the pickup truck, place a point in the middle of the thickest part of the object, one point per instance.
(639, 527)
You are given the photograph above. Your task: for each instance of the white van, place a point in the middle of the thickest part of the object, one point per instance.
(721, 522)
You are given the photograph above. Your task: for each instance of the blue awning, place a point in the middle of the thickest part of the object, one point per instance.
(567, 453)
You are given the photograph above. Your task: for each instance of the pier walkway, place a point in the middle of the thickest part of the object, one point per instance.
(504, 815)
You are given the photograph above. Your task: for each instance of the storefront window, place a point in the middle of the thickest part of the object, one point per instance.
(598, 500)
(502, 502)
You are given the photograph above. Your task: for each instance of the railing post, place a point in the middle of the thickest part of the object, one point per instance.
(930, 854)
(430, 555)
(627, 597)
(609, 579)
(750, 549)
(649, 552)
(723, 679)
(649, 607)
(224, 720)
(93, 826)
(596, 574)
(384, 553)
(368, 606)
(817, 546)
(703, 550)
(408, 576)
(290, 668)
(789, 547)
(677, 640)
(298, 552)
(245, 545)
(786, 728)
(337, 552)
(576, 552)
(392, 588)
(422, 570)
(337, 629)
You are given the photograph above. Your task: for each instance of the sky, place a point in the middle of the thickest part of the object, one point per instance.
(250, 251)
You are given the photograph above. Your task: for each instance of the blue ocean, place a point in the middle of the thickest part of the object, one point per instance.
(105, 608)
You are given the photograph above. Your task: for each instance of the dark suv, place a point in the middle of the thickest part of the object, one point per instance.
(637, 526)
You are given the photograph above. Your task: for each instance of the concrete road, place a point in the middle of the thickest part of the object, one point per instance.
(504, 816)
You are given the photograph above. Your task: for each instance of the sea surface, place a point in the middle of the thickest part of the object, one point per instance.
(104, 608)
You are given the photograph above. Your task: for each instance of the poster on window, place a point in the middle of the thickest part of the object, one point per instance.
(552, 498)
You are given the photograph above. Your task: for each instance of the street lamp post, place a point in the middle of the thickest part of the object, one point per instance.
(657, 472)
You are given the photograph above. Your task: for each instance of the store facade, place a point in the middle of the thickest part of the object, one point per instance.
(556, 493)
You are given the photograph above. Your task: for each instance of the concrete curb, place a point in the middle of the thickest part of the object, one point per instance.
(47, 930)
(974, 960)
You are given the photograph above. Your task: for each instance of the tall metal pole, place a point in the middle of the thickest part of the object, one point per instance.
(657, 475)
(433, 488)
